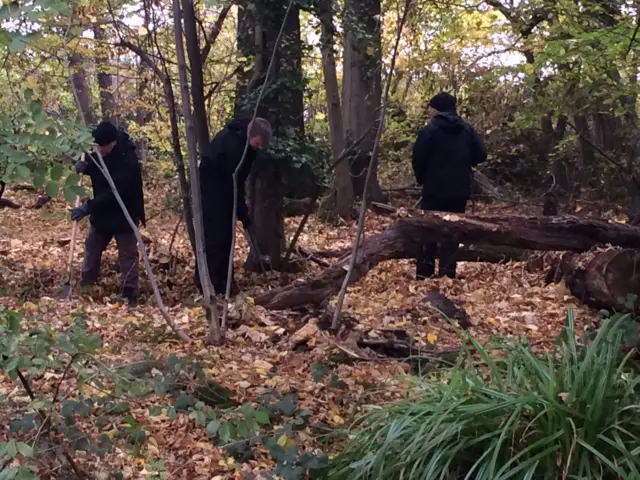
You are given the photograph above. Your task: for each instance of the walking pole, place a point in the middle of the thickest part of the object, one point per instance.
(66, 288)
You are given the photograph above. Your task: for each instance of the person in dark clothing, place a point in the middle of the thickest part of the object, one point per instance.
(443, 156)
(216, 184)
(106, 216)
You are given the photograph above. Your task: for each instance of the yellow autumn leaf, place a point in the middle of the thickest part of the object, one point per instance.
(130, 319)
(29, 307)
(528, 68)
(231, 462)
(493, 321)
(142, 30)
(251, 301)
(203, 445)
(282, 441)
(338, 420)
(32, 81)
(432, 337)
(111, 433)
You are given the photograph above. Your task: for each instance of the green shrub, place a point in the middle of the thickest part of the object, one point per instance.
(569, 415)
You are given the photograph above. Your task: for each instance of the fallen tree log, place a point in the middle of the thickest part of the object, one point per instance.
(472, 253)
(406, 237)
(600, 279)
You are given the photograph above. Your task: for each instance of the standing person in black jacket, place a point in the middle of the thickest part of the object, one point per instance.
(216, 184)
(107, 219)
(443, 156)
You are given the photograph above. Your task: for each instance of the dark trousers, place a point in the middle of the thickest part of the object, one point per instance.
(446, 251)
(96, 243)
(217, 244)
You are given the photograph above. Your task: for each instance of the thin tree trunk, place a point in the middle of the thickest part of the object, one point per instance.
(200, 118)
(215, 333)
(108, 105)
(79, 81)
(361, 88)
(342, 180)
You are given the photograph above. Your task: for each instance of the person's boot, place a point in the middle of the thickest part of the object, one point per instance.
(129, 296)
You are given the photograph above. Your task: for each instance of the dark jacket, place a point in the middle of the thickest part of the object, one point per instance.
(443, 155)
(216, 173)
(122, 164)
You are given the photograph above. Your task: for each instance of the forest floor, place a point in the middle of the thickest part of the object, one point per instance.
(500, 299)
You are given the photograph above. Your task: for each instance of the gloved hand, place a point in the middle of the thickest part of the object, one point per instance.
(80, 212)
(82, 166)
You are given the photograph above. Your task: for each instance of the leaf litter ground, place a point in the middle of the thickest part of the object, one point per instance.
(258, 353)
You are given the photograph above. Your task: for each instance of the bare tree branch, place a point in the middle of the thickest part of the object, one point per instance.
(215, 31)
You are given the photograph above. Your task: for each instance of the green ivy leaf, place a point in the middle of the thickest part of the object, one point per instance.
(213, 427)
(25, 450)
(38, 180)
(69, 195)
(287, 405)
(72, 180)
(318, 371)
(56, 172)
(199, 417)
(262, 417)
(226, 431)
(22, 172)
(51, 189)
(11, 449)
(155, 410)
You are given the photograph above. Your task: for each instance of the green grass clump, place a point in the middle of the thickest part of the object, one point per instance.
(572, 414)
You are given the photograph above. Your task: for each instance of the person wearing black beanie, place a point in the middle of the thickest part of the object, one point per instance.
(106, 216)
(443, 156)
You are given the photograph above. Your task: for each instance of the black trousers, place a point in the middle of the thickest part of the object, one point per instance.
(96, 243)
(217, 243)
(447, 252)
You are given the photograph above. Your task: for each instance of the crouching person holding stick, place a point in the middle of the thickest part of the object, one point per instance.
(216, 170)
(106, 217)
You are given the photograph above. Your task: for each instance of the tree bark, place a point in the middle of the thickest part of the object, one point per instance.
(267, 213)
(108, 105)
(344, 197)
(601, 280)
(200, 118)
(361, 87)
(215, 333)
(79, 81)
(406, 237)
(282, 104)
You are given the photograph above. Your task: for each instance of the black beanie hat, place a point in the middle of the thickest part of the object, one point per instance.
(443, 102)
(105, 133)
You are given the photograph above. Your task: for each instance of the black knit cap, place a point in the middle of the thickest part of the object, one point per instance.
(443, 102)
(105, 133)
